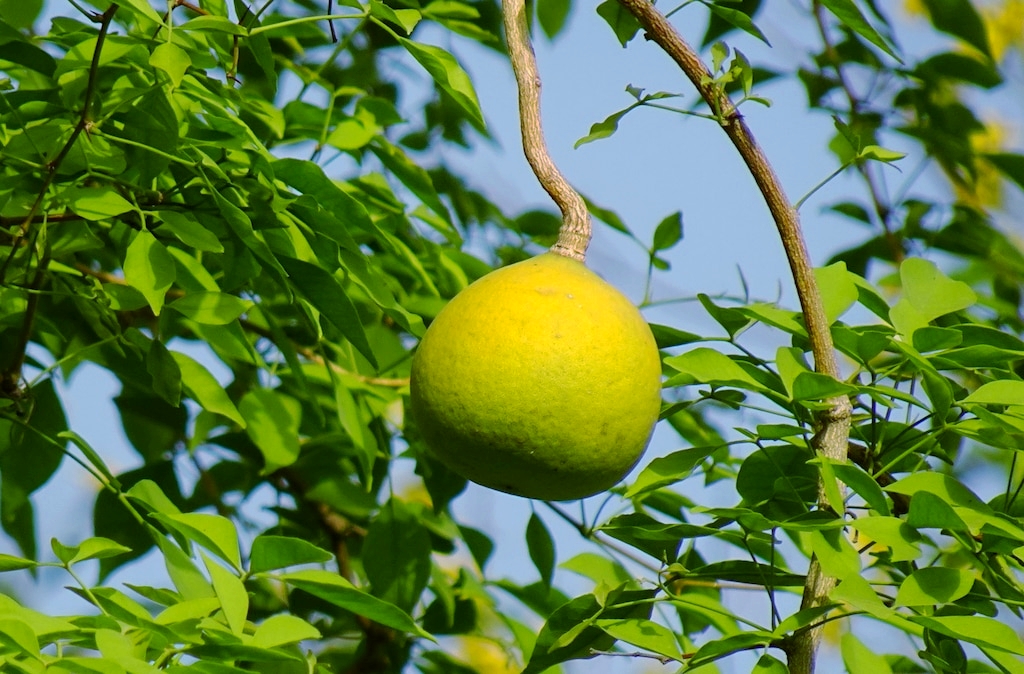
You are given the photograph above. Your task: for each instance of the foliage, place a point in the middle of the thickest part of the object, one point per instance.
(158, 222)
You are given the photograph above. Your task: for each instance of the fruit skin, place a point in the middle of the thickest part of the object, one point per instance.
(539, 380)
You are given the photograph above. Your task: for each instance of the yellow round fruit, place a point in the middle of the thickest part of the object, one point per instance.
(539, 380)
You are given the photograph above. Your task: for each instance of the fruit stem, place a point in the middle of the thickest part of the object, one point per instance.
(575, 232)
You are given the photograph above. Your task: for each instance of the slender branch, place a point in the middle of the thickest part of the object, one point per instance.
(834, 424)
(309, 354)
(882, 210)
(10, 378)
(575, 232)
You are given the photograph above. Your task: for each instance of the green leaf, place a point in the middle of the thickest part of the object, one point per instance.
(669, 469)
(331, 587)
(768, 664)
(733, 320)
(211, 308)
(645, 634)
(187, 578)
(717, 649)
(272, 422)
(406, 19)
(859, 659)
(326, 294)
(165, 372)
(851, 17)
(412, 176)
(622, 22)
(943, 486)
(605, 128)
(668, 233)
(934, 585)
(960, 19)
(609, 217)
(142, 8)
(838, 289)
(214, 24)
(28, 459)
(171, 59)
(241, 226)
(278, 552)
(878, 153)
(927, 294)
(667, 337)
(838, 558)
(1010, 165)
(551, 14)
(346, 211)
(187, 229)
(12, 563)
(96, 547)
(96, 203)
(541, 547)
(281, 629)
(149, 268)
(862, 483)
(570, 632)
(234, 600)
(745, 571)
(19, 635)
(215, 533)
(928, 511)
(707, 366)
(660, 540)
(205, 389)
(977, 630)
(449, 76)
(399, 545)
(597, 568)
(999, 392)
(738, 19)
(779, 475)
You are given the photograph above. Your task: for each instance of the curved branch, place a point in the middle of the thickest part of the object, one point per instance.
(575, 232)
(834, 424)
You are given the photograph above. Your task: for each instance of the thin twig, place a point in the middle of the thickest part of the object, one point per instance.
(834, 424)
(309, 354)
(882, 210)
(10, 378)
(575, 232)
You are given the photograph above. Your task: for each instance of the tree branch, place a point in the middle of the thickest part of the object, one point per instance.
(575, 232)
(10, 378)
(834, 424)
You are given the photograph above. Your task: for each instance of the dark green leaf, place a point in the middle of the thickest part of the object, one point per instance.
(960, 19)
(666, 470)
(551, 14)
(272, 422)
(851, 17)
(623, 24)
(326, 294)
(28, 458)
(669, 232)
(397, 550)
(332, 588)
(570, 633)
(449, 76)
(541, 548)
(279, 552)
(165, 373)
(738, 19)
